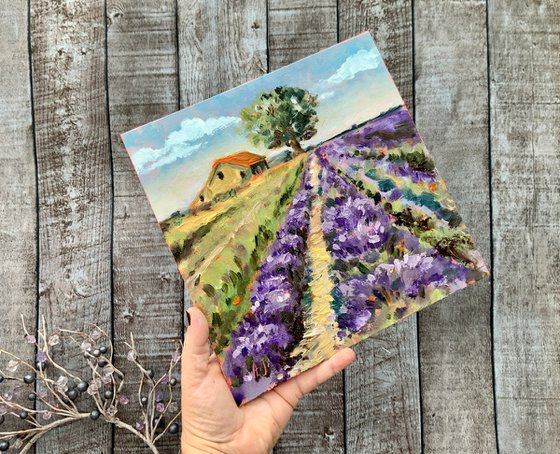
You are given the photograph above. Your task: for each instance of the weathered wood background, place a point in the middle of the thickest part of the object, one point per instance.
(479, 373)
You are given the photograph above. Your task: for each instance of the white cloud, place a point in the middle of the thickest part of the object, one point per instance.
(326, 95)
(363, 60)
(181, 143)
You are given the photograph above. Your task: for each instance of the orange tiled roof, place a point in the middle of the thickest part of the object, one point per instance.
(243, 158)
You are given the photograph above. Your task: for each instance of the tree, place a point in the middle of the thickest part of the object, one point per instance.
(284, 116)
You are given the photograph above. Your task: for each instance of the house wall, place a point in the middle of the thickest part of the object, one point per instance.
(232, 179)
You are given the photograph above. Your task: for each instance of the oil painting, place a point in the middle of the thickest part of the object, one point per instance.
(304, 213)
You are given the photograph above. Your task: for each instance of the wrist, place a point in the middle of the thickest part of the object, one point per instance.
(194, 445)
(188, 448)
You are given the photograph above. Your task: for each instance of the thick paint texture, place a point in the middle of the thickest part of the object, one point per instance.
(313, 245)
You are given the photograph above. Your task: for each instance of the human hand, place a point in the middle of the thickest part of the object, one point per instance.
(212, 421)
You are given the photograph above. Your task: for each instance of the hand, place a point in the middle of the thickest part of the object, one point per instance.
(213, 423)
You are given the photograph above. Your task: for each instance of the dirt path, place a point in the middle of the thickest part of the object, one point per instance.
(319, 340)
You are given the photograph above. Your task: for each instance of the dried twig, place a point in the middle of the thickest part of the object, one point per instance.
(58, 396)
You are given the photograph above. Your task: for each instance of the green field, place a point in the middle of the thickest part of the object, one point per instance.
(219, 250)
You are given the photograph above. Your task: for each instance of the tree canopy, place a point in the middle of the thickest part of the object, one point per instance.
(284, 116)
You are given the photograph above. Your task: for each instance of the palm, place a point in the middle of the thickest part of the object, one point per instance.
(212, 422)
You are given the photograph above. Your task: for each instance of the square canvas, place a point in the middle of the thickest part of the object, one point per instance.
(304, 212)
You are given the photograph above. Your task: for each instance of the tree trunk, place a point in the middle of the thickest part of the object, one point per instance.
(296, 146)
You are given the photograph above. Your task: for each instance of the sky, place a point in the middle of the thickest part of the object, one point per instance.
(173, 155)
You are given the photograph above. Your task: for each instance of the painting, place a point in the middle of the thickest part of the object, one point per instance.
(304, 212)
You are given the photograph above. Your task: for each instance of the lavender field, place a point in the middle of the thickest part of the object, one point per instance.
(371, 237)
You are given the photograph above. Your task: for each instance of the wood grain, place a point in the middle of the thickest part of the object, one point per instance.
(525, 131)
(18, 217)
(298, 29)
(142, 82)
(452, 114)
(74, 181)
(382, 386)
(221, 45)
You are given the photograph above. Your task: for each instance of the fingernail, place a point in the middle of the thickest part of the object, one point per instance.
(188, 319)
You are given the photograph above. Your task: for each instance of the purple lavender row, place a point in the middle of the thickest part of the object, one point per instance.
(372, 142)
(259, 351)
(357, 232)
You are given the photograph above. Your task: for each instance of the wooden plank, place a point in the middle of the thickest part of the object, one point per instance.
(298, 29)
(221, 45)
(525, 132)
(382, 386)
(142, 77)
(74, 182)
(452, 114)
(18, 217)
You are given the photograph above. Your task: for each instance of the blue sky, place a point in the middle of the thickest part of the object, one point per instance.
(174, 155)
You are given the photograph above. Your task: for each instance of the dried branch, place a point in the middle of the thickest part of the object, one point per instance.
(57, 396)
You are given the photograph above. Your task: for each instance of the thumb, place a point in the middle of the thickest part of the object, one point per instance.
(293, 390)
(196, 351)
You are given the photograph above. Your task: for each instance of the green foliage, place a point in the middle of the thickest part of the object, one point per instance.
(221, 329)
(284, 116)
(386, 184)
(416, 157)
(425, 199)
(450, 242)
(226, 292)
(182, 247)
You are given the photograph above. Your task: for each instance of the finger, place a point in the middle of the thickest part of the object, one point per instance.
(196, 351)
(293, 390)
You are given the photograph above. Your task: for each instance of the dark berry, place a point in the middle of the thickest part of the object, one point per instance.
(82, 386)
(72, 394)
(32, 396)
(4, 445)
(28, 379)
(108, 394)
(150, 373)
(102, 362)
(103, 349)
(97, 353)
(23, 414)
(173, 428)
(144, 400)
(173, 381)
(94, 415)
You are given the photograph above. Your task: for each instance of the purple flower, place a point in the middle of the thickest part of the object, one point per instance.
(40, 357)
(260, 347)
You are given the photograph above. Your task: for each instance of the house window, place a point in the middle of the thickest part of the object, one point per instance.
(201, 198)
(221, 175)
(242, 173)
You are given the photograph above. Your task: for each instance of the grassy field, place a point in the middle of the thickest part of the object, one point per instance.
(219, 250)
